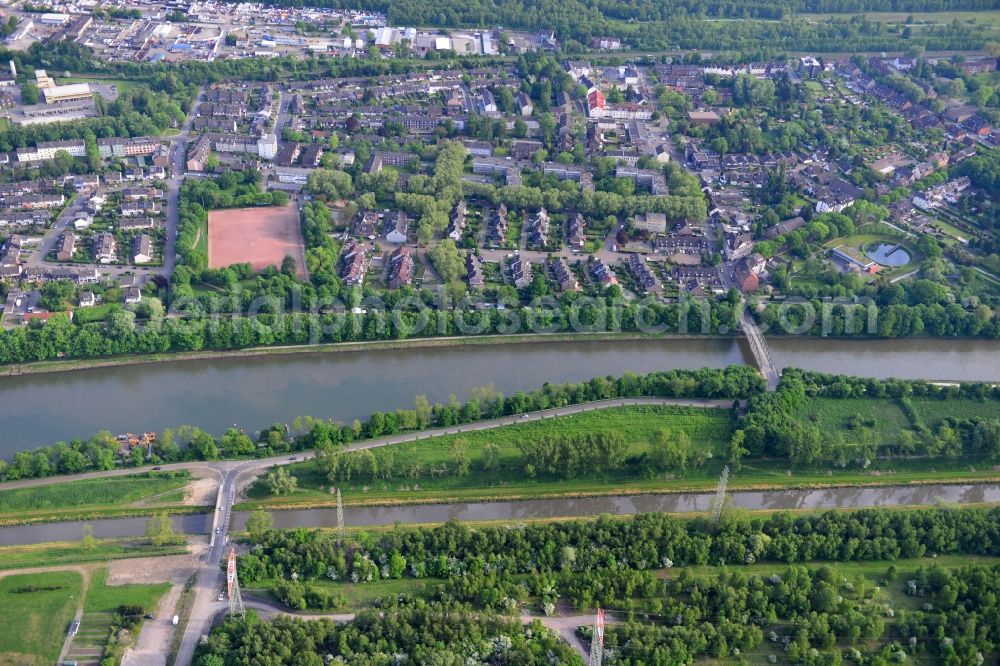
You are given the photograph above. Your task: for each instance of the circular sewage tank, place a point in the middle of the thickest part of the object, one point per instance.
(888, 254)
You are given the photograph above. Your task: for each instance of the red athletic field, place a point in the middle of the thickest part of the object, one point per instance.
(260, 236)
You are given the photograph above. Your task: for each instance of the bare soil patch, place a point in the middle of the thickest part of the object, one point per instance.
(260, 236)
(147, 570)
(201, 491)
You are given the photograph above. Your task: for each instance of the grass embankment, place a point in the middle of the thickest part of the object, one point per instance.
(58, 553)
(110, 497)
(37, 610)
(878, 422)
(708, 429)
(914, 19)
(101, 634)
(102, 598)
(374, 345)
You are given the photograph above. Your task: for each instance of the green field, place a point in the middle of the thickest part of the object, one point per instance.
(93, 313)
(926, 18)
(102, 598)
(115, 495)
(932, 411)
(857, 421)
(708, 429)
(833, 414)
(56, 553)
(35, 622)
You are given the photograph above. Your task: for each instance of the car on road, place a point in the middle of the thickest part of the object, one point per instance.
(294, 458)
(157, 468)
(218, 529)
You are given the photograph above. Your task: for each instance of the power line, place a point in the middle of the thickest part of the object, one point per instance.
(720, 494)
(597, 640)
(233, 582)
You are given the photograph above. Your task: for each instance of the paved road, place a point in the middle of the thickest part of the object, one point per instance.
(245, 468)
(155, 634)
(178, 156)
(210, 580)
(565, 626)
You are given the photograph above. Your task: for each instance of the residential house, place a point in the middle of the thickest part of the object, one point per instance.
(474, 271)
(137, 224)
(497, 232)
(142, 249)
(784, 227)
(577, 233)
(523, 104)
(653, 223)
(198, 154)
(520, 270)
(478, 148)
(703, 117)
(538, 233)
(132, 295)
(396, 226)
(602, 274)
(562, 274)
(486, 103)
(525, 148)
(87, 299)
(747, 272)
(354, 263)
(737, 246)
(643, 276)
(457, 222)
(105, 248)
(365, 224)
(66, 247)
(401, 267)
(681, 243)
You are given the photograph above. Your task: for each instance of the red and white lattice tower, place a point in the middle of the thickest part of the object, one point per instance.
(597, 640)
(233, 588)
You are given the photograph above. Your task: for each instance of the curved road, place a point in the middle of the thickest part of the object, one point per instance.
(565, 625)
(210, 579)
(222, 467)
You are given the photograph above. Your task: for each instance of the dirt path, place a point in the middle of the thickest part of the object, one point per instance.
(151, 647)
(84, 572)
(151, 570)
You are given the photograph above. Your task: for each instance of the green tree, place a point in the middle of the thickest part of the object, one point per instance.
(159, 530)
(491, 456)
(88, 542)
(280, 482)
(736, 450)
(259, 522)
(460, 454)
(29, 93)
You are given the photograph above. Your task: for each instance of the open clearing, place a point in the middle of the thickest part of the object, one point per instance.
(37, 609)
(152, 570)
(261, 237)
(708, 429)
(90, 497)
(61, 553)
(919, 18)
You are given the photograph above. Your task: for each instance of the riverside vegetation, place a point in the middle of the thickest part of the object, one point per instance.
(814, 430)
(187, 443)
(873, 587)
